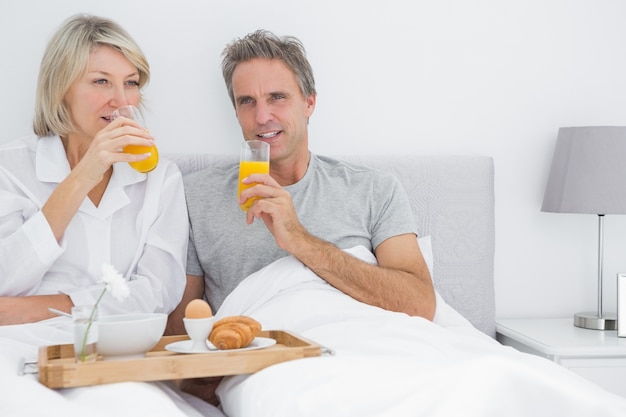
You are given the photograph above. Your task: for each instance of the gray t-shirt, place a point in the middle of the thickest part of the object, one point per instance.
(341, 203)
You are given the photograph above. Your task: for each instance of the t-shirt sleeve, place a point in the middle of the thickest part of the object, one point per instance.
(393, 214)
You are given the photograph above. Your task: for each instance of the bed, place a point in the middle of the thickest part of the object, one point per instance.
(378, 363)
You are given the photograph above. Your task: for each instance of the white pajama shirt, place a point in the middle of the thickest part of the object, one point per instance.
(140, 227)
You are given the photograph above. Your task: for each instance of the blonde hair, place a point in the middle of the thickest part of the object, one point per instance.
(65, 61)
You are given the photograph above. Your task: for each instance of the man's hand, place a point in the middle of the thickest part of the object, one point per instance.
(276, 209)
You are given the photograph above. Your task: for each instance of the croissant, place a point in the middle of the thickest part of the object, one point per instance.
(234, 332)
(252, 323)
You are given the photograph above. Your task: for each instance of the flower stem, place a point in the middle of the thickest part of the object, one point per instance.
(89, 323)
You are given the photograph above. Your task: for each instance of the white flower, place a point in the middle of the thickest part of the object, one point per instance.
(114, 282)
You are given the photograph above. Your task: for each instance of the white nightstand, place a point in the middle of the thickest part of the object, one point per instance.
(599, 356)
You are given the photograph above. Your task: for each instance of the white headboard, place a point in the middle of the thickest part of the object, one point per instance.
(453, 201)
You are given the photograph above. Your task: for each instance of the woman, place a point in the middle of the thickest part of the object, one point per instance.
(69, 201)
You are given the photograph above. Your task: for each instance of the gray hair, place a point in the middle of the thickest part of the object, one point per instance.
(265, 44)
(65, 61)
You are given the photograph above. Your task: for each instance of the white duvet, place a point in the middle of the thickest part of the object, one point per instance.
(390, 364)
(384, 364)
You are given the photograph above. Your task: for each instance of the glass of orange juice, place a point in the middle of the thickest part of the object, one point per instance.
(254, 158)
(148, 164)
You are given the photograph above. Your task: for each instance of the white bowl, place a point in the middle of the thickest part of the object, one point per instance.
(129, 335)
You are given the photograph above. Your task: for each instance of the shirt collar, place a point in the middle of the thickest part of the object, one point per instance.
(51, 162)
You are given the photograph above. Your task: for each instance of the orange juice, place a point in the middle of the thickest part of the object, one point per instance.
(147, 164)
(247, 168)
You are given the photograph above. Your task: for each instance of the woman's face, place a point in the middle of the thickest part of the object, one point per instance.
(110, 81)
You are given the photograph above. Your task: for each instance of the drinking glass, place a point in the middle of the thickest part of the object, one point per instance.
(254, 158)
(148, 164)
(85, 320)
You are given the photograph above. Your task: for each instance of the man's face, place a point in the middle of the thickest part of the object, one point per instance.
(270, 107)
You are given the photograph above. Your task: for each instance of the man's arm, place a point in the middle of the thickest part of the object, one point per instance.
(194, 289)
(400, 282)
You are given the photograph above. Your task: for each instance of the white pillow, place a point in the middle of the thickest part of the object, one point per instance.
(426, 247)
(445, 315)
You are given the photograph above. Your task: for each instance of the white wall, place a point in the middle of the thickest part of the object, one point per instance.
(395, 76)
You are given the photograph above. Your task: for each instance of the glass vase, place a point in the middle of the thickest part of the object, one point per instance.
(85, 333)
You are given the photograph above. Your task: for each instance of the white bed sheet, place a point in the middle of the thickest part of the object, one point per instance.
(385, 364)
(23, 395)
(390, 364)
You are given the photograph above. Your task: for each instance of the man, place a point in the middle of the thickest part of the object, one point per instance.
(310, 206)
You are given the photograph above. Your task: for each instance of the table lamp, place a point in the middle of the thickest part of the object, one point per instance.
(588, 175)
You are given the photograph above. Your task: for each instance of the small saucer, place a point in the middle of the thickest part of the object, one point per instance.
(185, 346)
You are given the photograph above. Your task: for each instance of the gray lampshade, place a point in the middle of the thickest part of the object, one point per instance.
(588, 172)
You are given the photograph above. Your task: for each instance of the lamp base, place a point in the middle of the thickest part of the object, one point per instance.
(595, 322)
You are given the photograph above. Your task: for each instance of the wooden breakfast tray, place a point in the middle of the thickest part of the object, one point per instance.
(58, 369)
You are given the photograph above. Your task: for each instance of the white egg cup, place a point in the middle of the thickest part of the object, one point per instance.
(198, 331)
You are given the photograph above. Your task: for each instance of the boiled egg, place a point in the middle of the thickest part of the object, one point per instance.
(198, 309)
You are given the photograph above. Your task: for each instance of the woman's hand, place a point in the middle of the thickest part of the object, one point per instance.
(90, 173)
(107, 146)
